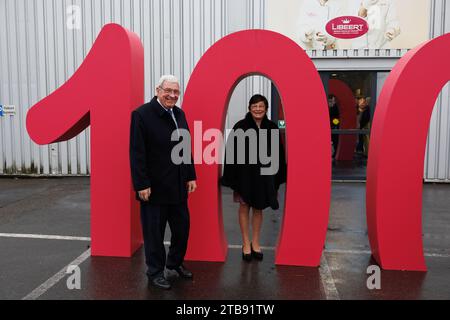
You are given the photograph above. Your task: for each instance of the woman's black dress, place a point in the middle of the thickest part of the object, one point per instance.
(258, 191)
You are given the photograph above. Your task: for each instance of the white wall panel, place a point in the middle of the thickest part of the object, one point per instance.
(38, 53)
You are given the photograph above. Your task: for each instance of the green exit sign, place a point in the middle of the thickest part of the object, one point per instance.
(281, 124)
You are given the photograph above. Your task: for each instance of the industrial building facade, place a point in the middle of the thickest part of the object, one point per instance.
(40, 50)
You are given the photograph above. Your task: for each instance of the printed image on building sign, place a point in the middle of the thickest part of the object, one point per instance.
(351, 24)
(281, 124)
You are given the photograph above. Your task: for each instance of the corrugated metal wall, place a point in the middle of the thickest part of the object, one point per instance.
(38, 53)
(437, 159)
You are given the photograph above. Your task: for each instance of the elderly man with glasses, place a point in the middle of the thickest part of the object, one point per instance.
(161, 186)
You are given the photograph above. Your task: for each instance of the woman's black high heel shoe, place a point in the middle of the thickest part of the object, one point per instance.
(246, 256)
(255, 254)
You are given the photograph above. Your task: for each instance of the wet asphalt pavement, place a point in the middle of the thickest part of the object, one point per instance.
(60, 206)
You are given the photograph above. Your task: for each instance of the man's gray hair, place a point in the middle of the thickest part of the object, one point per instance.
(168, 78)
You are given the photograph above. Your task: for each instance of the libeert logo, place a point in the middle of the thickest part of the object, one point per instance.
(347, 27)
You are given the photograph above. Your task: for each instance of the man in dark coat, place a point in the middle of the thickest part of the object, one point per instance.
(161, 186)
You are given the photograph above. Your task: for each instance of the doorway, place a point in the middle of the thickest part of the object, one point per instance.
(352, 97)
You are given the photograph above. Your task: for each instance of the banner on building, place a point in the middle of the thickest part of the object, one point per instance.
(351, 24)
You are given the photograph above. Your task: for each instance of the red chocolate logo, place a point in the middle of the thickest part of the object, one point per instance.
(347, 27)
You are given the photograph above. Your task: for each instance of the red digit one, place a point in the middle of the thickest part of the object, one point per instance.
(308, 132)
(103, 92)
(396, 155)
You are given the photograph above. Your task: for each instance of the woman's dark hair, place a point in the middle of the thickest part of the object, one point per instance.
(258, 98)
(360, 96)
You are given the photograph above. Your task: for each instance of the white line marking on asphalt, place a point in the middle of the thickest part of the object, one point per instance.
(329, 286)
(36, 293)
(167, 243)
(437, 255)
(426, 254)
(348, 251)
(42, 236)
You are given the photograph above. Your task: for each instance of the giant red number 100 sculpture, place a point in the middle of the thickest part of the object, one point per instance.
(110, 84)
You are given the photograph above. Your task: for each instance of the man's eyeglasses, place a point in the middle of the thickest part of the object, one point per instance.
(170, 91)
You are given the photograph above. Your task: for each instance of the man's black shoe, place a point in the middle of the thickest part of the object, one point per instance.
(160, 282)
(182, 272)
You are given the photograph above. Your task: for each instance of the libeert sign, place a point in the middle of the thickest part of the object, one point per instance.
(347, 27)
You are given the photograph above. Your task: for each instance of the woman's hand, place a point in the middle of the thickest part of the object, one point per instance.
(191, 186)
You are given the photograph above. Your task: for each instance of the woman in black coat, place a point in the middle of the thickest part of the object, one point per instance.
(252, 189)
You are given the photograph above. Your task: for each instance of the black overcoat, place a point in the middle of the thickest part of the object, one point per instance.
(258, 191)
(150, 154)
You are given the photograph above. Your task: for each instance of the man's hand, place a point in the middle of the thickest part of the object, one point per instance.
(309, 35)
(191, 186)
(145, 194)
(320, 36)
(362, 12)
(390, 34)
